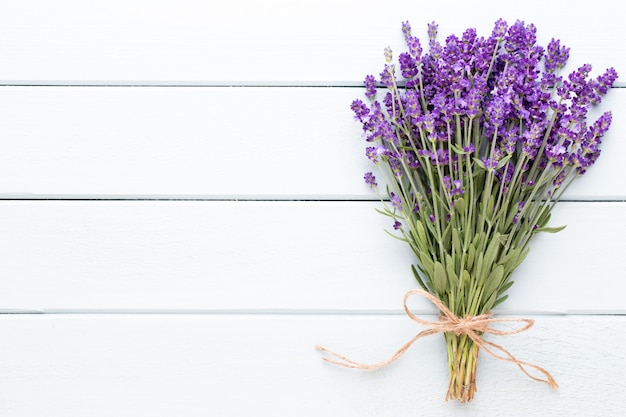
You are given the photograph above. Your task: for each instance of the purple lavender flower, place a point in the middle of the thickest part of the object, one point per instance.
(457, 189)
(396, 201)
(472, 101)
(424, 153)
(555, 154)
(603, 82)
(370, 86)
(435, 47)
(395, 165)
(440, 157)
(556, 56)
(370, 179)
(374, 153)
(469, 148)
(496, 111)
(427, 122)
(598, 128)
(453, 187)
(387, 77)
(490, 163)
(388, 54)
(499, 29)
(532, 140)
(388, 133)
(509, 140)
(519, 38)
(408, 65)
(406, 29)
(505, 173)
(447, 182)
(412, 107)
(559, 179)
(413, 43)
(393, 106)
(412, 161)
(361, 111)
(589, 150)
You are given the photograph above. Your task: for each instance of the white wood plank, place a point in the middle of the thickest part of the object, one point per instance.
(273, 256)
(271, 143)
(271, 42)
(198, 365)
(181, 142)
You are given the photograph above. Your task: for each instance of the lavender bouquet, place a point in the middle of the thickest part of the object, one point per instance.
(477, 140)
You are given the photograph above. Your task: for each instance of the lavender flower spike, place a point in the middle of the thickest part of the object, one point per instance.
(370, 86)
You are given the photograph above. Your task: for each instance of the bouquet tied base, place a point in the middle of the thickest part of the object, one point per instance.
(464, 339)
(462, 361)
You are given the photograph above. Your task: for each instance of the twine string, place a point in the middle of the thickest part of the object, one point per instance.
(450, 322)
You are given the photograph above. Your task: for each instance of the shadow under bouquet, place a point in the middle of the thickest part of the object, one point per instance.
(476, 142)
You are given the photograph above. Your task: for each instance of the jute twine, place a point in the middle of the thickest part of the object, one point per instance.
(449, 322)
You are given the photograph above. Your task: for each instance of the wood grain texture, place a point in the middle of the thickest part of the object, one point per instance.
(198, 365)
(262, 143)
(298, 256)
(275, 42)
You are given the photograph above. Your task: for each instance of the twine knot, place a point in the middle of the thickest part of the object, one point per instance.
(472, 326)
(463, 325)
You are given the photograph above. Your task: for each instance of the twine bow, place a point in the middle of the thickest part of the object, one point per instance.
(449, 322)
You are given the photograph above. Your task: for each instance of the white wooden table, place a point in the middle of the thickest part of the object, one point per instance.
(183, 218)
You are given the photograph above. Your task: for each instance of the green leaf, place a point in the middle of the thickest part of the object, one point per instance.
(453, 279)
(480, 163)
(550, 229)
(500, 300)
(544, 218)
(458, 150)
(418, 278)
(513, 210)
(493, 280)
(471, 256)
(515, 261)
(439, 278)
(427, 264)
(510, 260)
(465, 285)
(460, 206)
(447, 236)
(505, 287)
(490, 302)
(490, 254)
(479, 264)
(421, 232)
(544, 179)
(489, 209)
(396, 237)
(456, 241)
(478, 239)
(386, 213)
(465, 278)
(418, 234)
(503, 161)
